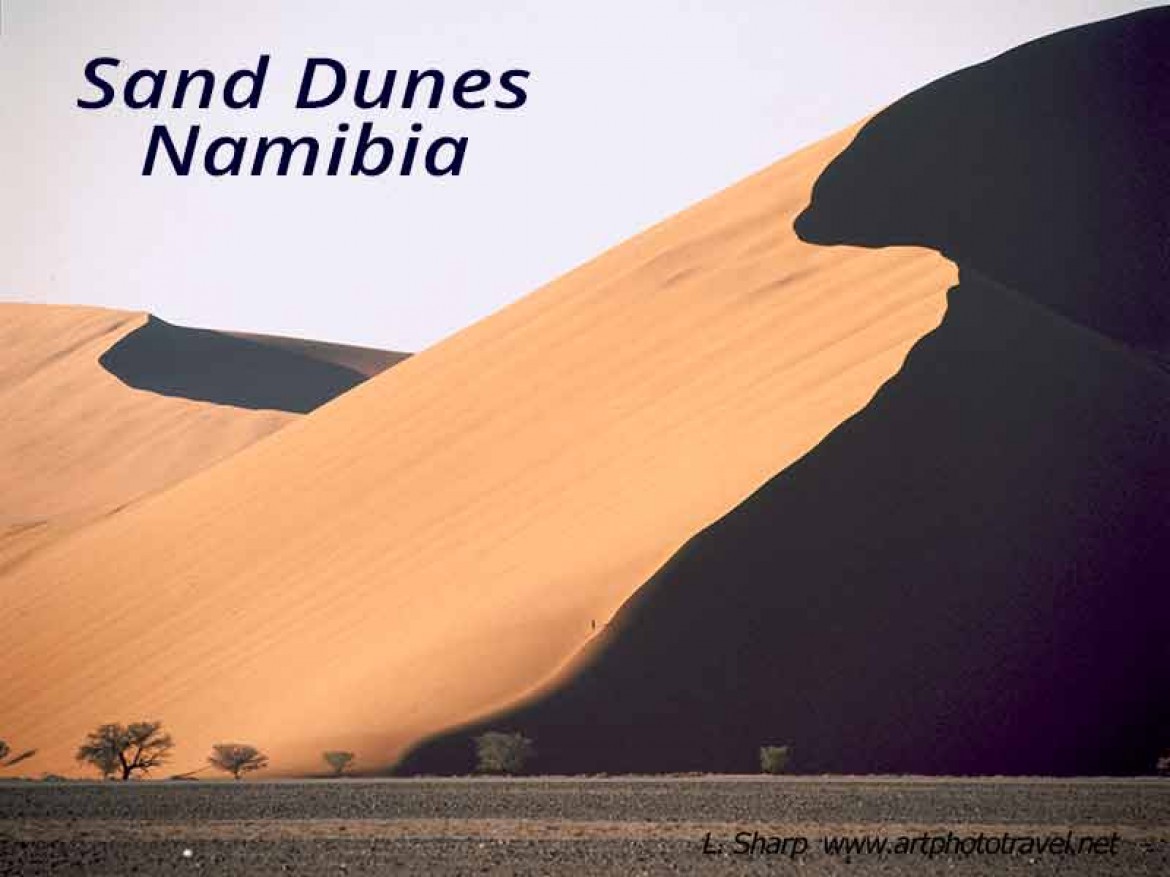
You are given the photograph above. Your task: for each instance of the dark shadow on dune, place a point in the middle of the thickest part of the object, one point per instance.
(229, 370)
(1047, 168)
(970, 575)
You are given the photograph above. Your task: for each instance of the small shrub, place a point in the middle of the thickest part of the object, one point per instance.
(502, 752)
(339, 760)
(237, 758)
(774, 759)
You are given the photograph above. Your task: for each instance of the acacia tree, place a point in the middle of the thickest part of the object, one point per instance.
(237, 758)
(338, 760)
(120, 749)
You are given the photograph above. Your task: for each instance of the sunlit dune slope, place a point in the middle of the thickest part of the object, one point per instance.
(438, 541)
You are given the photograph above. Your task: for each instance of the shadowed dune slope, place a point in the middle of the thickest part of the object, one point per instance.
(970, 575)
(966, 577)
(1046, 167)
(76, 443)
(437, 542)
(253, 371)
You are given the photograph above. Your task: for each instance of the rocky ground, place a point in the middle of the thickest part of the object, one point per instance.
(683, 825)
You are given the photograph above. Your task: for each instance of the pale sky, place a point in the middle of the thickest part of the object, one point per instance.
(636, 109)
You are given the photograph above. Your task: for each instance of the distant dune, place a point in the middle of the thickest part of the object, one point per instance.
(970, 575)
(437, 542)
(78, 445)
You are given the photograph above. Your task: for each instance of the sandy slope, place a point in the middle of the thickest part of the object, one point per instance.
(77, 443)
(437, 541)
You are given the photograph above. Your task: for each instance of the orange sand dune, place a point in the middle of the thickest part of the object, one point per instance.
(77, 443)
(436, 543)
(80, 444)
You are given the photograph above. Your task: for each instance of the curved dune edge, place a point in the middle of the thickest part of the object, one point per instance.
(433, 544)
(254, 372)
(367, 361)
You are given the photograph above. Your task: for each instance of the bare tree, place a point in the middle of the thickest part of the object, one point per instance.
(114, 749)
(237, 758)
(338, 760)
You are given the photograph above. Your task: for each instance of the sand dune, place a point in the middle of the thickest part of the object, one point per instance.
(79, 444)
(438, 541)
(1067, 206)
(969, 576)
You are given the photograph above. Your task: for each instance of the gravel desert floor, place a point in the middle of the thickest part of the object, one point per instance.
(627, 826)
